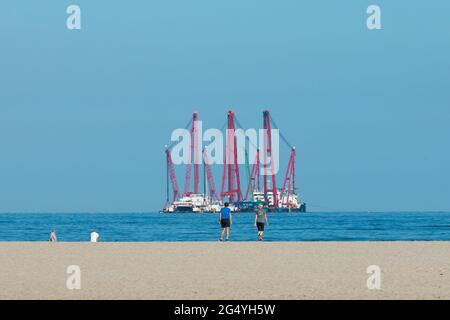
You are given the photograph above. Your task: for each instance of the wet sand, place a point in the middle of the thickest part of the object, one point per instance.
(233, 270)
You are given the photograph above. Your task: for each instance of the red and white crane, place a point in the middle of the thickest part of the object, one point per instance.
(209, 176)
(289, 182)
(270, 181)
(193, 159)
(171, 175)
(253, 182)
(231, 181)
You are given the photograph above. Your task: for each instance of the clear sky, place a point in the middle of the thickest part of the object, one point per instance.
(85, 115)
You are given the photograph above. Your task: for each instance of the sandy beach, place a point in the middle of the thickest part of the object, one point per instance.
(239, 270)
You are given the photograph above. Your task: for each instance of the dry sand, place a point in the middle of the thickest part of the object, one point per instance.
(302, 270)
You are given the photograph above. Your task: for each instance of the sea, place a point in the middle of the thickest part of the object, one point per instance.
(310, 226)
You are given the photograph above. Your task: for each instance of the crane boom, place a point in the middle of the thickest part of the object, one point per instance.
(172, 174)
(209, 175)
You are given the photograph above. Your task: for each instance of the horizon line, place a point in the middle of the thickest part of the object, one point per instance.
(158, 211)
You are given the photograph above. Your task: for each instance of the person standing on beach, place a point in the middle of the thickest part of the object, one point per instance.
(225, 221)
(260, 218)
(94, 236)
(53, 237)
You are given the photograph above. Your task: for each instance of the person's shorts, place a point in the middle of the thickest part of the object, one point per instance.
(260, 226)
(225, 223)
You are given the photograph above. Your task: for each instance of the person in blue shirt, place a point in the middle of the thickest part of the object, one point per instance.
(225, 221)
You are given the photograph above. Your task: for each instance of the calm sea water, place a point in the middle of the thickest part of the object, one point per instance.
(337, 226)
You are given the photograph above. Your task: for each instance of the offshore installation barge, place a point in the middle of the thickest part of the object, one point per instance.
(261, 185)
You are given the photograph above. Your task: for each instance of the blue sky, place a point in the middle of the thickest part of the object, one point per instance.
(85, 115)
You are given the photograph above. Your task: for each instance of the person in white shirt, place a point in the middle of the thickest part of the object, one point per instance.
(94, 236)
(53, 237)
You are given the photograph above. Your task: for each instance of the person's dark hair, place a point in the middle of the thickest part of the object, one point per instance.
(226, 204)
